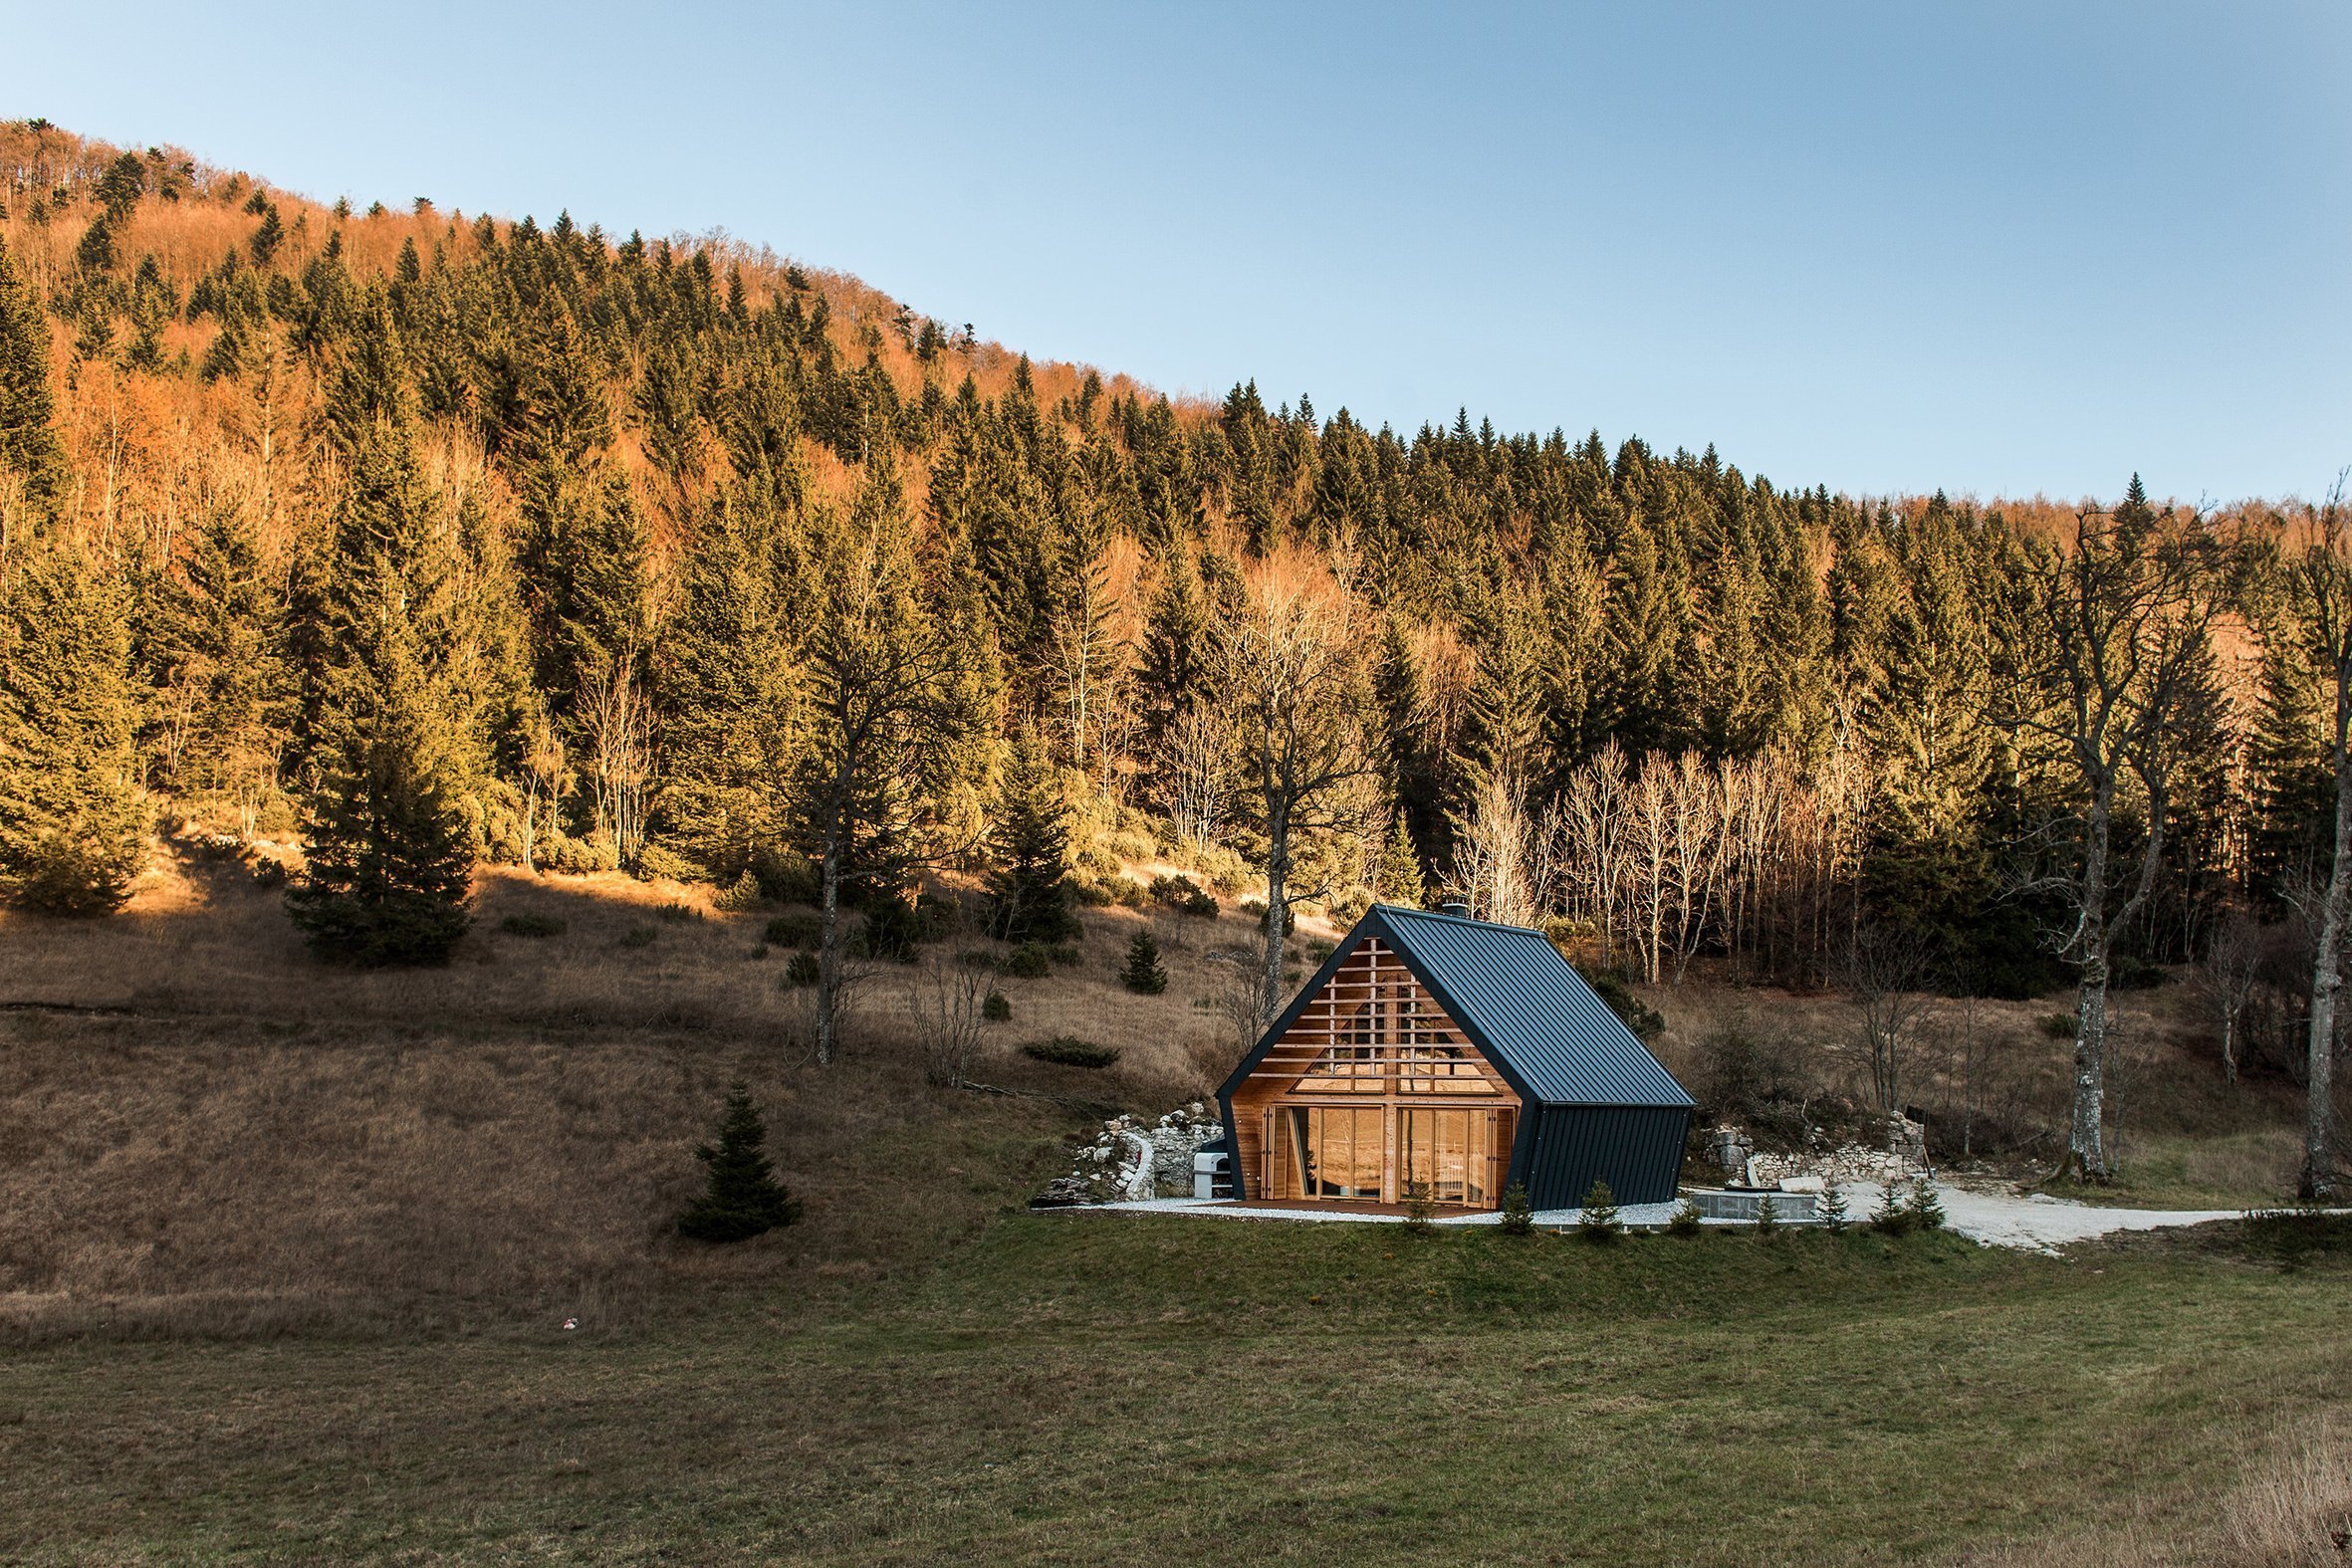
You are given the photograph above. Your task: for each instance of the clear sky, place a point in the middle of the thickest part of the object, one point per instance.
(1994, 248)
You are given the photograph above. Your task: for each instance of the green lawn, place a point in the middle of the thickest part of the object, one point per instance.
(1091, 1389)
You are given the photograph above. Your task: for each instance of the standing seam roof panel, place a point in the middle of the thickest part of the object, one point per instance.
(1513, 989)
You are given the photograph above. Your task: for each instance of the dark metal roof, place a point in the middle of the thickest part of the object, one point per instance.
(1517, 999)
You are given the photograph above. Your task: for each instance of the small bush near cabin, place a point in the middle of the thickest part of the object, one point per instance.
(1598, 1222)
(1926, 1209)
(1066, 1050)
(1833, 1210)
(1685, 1219)
(1420, 1208)
(1890, 1218)
(1768, 1218)
(743, 1198)
(534, 926)
(795, 931)
(1518, 1215)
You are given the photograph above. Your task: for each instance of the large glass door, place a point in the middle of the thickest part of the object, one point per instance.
(1342, 1151)
(1452, 1154)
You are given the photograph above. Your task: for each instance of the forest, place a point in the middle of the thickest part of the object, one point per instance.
(426, 541)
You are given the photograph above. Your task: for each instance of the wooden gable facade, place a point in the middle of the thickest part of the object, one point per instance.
(1372, 1091)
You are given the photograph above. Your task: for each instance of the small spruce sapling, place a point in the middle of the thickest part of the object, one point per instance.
(1685, 1219)
(1144, 972)
(1420, 1208)
(1926, 1209)
(1890, 1218)
(1833, 1210)
(743, 1198)
(996, 1006)
(1768, 1218)
(1599, 1221)
(1518, 1215)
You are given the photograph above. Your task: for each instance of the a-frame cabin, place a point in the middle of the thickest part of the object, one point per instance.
(1437, 1050)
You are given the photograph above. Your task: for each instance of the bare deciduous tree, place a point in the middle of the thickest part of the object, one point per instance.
(2110, 634)
(1885, 972)
(2224, 979)
(1293, 662)
(948, 1009)
(2319, 630)
(618, 724)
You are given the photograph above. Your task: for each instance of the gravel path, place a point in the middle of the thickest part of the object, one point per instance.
(2034, 1222)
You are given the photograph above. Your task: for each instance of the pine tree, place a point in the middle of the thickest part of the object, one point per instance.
(1597, 1219)
(389, 856)
(1398, 880)
(30, 451)
(72, 825)
(1142, 973)
(221, 638)
(743, 1198)
(1028, 885)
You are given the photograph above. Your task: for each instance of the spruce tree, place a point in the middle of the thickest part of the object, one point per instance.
(221, 638)
(1142, 973)
(1029, 884)
(73, 824)
(389, 856)
(1398, 880)
(1597, 1219)
(743, 1198)
(30, 451)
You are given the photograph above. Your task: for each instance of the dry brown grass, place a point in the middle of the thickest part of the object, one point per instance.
(223, 1137)
(2285, 1511)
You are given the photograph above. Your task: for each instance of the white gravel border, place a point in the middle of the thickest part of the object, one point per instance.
(2034, 1222)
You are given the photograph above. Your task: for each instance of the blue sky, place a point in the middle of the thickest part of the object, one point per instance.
(1994, 248)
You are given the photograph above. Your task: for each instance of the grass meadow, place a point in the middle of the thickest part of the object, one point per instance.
(286, 1255)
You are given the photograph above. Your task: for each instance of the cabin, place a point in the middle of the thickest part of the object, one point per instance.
(1460, 1056)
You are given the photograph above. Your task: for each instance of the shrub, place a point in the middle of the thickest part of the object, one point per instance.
(795, 931)
(1833, 1210)
(660, 860)
(743, 1198)
(741, 894)
(637, 937)
(1420, 1208)
(996, 1006)
(1029, 961)
(677, 914)
(1518, 1215)
(1768, 1218)
(2060, 1026)
(1598, 1222)
(1142, 973)
(1926, 1209)
(534, 926)
(893, 928)
(1065, 1051)
(1685, 1219)
(1890, 1218)
(1067, 953)
(1185, 896)
(804, 971)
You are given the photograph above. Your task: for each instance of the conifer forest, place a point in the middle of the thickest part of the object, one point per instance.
(428, 541)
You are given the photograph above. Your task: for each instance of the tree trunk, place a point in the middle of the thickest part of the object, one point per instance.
(2087, 1151)
(828, 951)
(2327, 959)
(1277, 906)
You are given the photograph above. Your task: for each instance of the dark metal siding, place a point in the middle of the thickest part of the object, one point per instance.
(1636, 1148)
